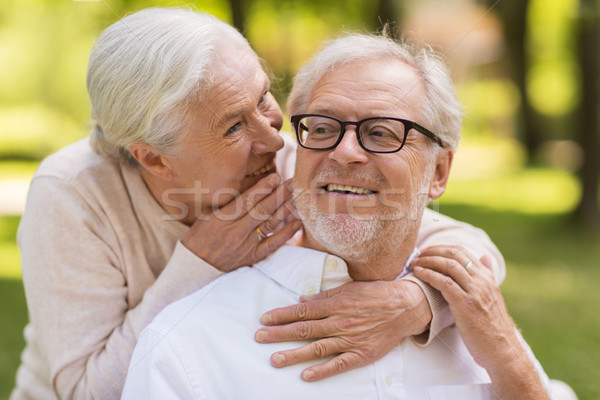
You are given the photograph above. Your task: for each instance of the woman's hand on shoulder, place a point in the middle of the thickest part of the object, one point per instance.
(356, 323)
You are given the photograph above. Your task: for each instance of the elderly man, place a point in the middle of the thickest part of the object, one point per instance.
(377, 125)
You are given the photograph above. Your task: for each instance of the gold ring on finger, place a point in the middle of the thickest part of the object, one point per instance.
(469, 265)
(261, 234)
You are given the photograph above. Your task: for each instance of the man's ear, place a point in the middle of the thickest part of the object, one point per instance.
(441, 174)
(151, 160)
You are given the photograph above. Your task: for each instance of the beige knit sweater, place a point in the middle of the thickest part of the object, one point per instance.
(100, 259)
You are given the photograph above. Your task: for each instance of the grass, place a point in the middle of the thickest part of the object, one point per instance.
(10, 259)
(13, 310)
(13, 317)
(550, 290)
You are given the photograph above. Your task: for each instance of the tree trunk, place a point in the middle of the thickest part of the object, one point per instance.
(514, 17)
(238, 14)
(589, 206)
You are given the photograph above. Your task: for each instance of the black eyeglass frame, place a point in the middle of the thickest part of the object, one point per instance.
(408, 125)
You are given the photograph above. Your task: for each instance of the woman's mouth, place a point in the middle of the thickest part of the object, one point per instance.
(264, 170)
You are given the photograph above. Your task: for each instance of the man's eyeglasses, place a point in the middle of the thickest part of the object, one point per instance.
(376, 134)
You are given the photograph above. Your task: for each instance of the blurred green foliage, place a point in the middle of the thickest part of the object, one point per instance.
(553, 76)
(44, 46)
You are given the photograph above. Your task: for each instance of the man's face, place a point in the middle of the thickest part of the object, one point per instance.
(231, 136)
(353, 200)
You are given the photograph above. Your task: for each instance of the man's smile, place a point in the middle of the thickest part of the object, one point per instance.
(347, 189)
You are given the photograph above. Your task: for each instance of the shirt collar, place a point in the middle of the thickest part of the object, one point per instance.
(407, 267)
(306, 271)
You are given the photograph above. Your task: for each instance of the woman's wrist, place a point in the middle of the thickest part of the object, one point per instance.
(416, 303)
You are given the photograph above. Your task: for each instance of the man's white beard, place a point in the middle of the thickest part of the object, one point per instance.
(359, 237)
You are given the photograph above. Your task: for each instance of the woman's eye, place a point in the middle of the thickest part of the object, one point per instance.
(233, 129)
(263, 98)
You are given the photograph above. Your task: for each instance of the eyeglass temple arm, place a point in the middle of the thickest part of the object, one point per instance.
(429, 134)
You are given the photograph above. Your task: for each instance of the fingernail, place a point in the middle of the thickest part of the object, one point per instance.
(261, 335)
(278, 359)
(417, 269)
(266, 319)
(308, 375)
(305, 298)
(297, 225)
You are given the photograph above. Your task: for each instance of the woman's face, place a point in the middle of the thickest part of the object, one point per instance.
(231, 136)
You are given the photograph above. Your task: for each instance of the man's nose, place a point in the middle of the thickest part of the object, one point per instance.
(349, 150)
(265, 134)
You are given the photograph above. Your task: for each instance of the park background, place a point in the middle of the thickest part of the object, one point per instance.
(527, 73)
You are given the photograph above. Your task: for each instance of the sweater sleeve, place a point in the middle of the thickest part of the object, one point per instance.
(77, 291)
(437, 229)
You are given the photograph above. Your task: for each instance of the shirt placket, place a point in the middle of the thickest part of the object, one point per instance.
(389, 376)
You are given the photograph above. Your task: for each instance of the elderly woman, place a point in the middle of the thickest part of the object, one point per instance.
(177, 185)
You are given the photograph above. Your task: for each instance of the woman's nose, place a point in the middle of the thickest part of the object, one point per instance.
(265, 134)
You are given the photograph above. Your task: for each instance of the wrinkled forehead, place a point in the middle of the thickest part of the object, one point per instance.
(387, 87)
(231, 57)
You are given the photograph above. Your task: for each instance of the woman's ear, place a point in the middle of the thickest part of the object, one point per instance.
(441, 174)
(151, 160)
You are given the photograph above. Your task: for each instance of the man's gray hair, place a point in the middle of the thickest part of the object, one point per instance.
(441, 111)
(144, 73)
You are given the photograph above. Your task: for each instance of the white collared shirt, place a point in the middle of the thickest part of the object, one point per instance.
(203, 347)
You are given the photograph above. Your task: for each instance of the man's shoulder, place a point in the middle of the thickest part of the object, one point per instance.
(232, 291)
(241, 295)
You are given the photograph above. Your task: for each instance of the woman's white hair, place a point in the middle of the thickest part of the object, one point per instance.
(441, 111)
(145, 71)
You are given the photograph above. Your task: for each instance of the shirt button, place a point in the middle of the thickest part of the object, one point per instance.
(331, 264)
(310, 289)
(388, 381)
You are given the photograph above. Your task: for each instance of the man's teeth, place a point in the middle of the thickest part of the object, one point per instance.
(263, 170)
(336, 187)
